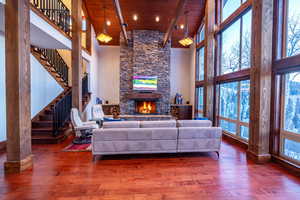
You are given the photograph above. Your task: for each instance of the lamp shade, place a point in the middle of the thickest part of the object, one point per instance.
(103, 37)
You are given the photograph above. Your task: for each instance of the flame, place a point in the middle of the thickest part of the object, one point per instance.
(146, 108)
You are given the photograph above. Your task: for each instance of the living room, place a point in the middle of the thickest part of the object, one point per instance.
(139, 99)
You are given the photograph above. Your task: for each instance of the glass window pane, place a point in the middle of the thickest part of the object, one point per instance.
(199, 102)
(202, 34)
(246, 40)
(228, 126)
(293, 28)
(292, 149)
(201, 65)
(229, 6)
(231, 48)
(292, 102)
(244, 101)
(200, 98)
(229, 100)
(245, 132)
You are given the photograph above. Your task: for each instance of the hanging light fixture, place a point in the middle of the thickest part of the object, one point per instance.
(186, 41)
(104, 37)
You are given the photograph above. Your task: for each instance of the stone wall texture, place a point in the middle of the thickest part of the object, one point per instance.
(144, 56)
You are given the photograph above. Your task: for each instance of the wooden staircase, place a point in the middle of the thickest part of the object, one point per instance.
(50, 67)
(42, 125)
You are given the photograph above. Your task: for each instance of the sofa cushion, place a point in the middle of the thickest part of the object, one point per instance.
(194, 123)
(158, 124)
(121, 124)
(119, 134)
(199, 132)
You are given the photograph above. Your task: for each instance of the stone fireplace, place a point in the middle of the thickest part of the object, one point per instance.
(144, 56)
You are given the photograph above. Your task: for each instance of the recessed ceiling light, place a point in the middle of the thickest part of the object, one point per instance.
(108, 23)
(135, 17)
(157, 19)
(182, 26)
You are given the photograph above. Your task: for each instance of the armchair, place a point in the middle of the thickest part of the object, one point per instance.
(97, 114)
(82, 129)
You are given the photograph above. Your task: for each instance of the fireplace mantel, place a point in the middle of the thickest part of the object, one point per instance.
(144, 96)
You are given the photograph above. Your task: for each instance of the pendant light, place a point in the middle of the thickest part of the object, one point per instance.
(104, 37)
(186, 41)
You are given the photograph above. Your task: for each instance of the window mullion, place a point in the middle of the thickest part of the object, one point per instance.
(238, 132)
(241, 42)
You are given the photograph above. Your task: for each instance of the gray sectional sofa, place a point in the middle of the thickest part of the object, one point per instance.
(134, 137)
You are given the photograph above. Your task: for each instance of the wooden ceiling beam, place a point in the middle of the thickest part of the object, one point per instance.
(179, 11)
(121, 20)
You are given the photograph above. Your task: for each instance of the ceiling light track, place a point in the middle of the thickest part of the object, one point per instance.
(121, 20)
(179, 11)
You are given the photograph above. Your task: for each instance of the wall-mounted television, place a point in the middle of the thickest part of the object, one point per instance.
(145, 83)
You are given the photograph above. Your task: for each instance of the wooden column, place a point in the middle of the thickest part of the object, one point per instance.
(76, 55)
(17, 53)
(260, 78)
(209, 61)
(89, 35)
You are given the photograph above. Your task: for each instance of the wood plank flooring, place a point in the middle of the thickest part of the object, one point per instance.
(74, 176)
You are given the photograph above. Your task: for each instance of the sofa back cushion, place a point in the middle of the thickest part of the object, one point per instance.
(121, 124)
(200, 132)
(158, 124)
(121, 134)
(194, 123)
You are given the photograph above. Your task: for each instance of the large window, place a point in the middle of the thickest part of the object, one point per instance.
(229, 6)
(290, 131)
(200, 34)
(199, 102)
(236, 45)
(293, 28)
(200, 64)
(234, 108)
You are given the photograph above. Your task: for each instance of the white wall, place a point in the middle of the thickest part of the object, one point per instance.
(109, 73)
(2, 89)
(44, 87)
(180, 73)
(93, 69)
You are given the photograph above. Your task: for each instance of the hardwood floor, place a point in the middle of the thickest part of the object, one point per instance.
(69, 175)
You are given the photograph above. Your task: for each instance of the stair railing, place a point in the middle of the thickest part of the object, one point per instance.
(57, 62)
(56, 11)
(61, 113)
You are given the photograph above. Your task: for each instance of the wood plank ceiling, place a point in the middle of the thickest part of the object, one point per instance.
(146, 10)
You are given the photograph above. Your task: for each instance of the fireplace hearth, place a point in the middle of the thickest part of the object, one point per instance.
(145, 107)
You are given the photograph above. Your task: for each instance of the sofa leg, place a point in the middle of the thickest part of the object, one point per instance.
(218, 154)
(96, 157)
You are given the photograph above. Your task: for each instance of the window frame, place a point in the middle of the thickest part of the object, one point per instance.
(238, 122)
(200, 83)
(284, 134)
(282, 65)
(220, 33)
(237, 76)
(197, 112)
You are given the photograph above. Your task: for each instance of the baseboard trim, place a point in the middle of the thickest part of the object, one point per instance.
(292, 168)
(259, 159)
(18, 166)
(235, 141)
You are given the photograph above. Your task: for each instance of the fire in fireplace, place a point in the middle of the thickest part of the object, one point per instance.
(146, 107)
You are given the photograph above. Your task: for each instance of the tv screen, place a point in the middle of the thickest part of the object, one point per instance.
(145, 83)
